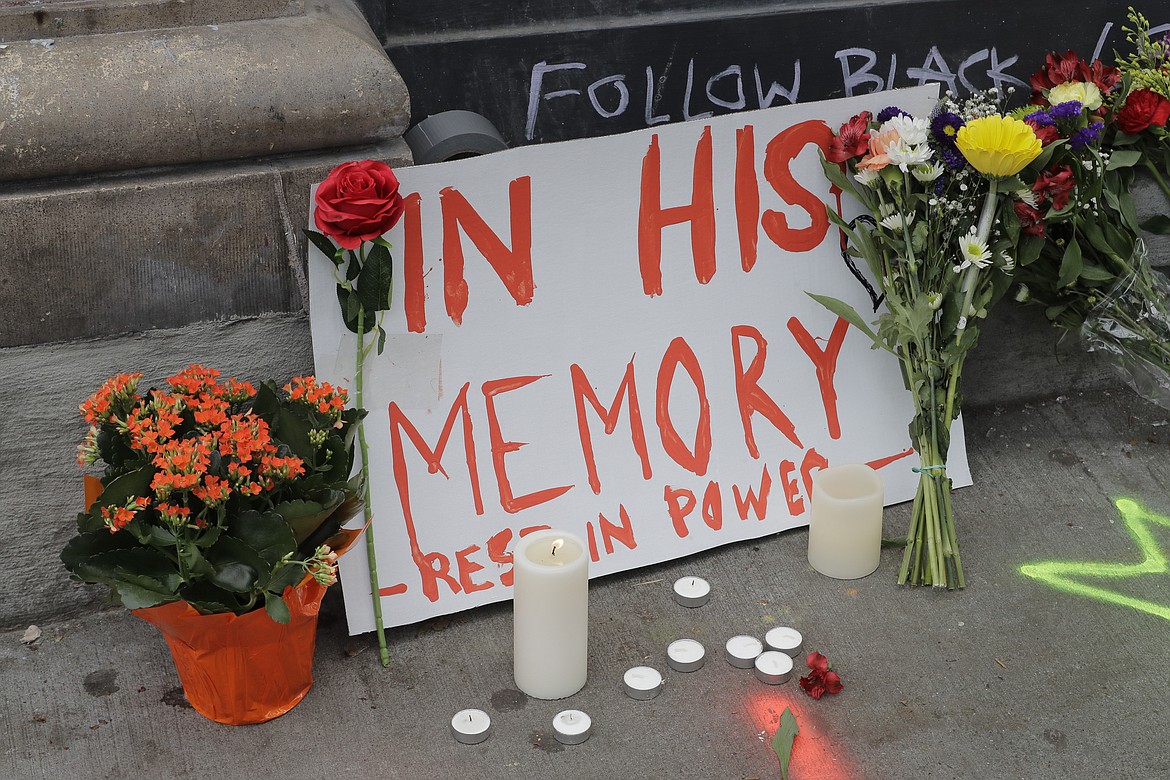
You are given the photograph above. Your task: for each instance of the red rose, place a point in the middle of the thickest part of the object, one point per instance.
(852, 140)
(358, 201)
(1031, 219)
(1056, 185)
(1143, 108)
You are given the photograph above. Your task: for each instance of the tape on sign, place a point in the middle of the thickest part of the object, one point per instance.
(452, 135)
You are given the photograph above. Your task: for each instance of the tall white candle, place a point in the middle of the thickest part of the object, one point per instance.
(845, 529)
(551, 614)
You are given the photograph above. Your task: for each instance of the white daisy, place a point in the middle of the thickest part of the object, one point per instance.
(927, 172)
(973, 251)
(1027, 196)
(905, 155)
(897, 221)
(867, 177)
(912, 131)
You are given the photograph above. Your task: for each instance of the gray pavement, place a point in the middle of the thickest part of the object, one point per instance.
(1009, 679)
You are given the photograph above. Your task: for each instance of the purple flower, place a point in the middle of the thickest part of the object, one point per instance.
(1086, 135)
(889, 112)
(1070, 109)
(952, 158)
(944, 127)
(1042, 118)
(940, 184)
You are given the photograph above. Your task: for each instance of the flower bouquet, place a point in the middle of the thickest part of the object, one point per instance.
(1081, 255)
(1143, 113)
(220, 510)
(941, 248)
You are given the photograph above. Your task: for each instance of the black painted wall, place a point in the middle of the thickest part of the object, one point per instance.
(548, 70)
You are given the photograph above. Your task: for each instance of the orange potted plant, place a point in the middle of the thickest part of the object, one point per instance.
(217, 519)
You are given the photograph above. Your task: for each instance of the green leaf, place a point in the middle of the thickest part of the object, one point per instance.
(836, 176)
(287, 576)
(266, 403)
(1041, 162)
(304, 517)
(130, 485)
(195, 563)
(87, 545)
(238, 568)
(1123, 158)
(324, 246)
(1030, 247)
(208, 598)
(849, 314)
(1159, 224)
(292, 427)
(375, 284)
(268, 534)
(276, 608)
(782, 740)
(353, 269)
(350, 306)
(1095, 273)
(1071, 264)
(142, 576)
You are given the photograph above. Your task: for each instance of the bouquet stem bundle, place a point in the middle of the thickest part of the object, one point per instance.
(940, 268)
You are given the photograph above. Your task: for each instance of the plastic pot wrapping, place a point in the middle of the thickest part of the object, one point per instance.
(1130, 326)
(243, 669)
(240, 669)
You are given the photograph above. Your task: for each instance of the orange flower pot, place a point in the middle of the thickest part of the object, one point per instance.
(242, 669)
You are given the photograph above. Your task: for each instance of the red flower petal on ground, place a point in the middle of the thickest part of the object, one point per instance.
(817, 662)
(833, 682)
(813, 685)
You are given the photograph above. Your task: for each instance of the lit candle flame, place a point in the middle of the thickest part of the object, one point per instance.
(558, 544)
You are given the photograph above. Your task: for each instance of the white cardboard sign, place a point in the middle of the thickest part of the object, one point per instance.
(611, 337)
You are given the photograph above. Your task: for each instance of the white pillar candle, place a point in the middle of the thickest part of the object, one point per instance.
(773, 667)
(787, 640)
(642, 682)
(685, 655)
(471, 726)
(692, 591)
(845, 529)
(742, 651)
(572, 727)
(550, 614)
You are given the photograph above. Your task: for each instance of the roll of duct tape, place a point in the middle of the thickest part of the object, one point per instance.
(452, 135)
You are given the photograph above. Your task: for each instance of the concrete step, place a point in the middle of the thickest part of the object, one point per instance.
(182, 92)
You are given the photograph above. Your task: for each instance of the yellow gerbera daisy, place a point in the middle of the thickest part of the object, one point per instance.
(998, 145)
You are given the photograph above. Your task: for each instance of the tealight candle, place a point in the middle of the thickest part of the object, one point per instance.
(642, 682)
(787, 640)
(742, 651)
(471, 726)
(845, 524)
(572, 727)
(692, 591)
(685, 655)
(773, 667)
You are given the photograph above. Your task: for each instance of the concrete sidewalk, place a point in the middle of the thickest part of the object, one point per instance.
(1009, 679)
